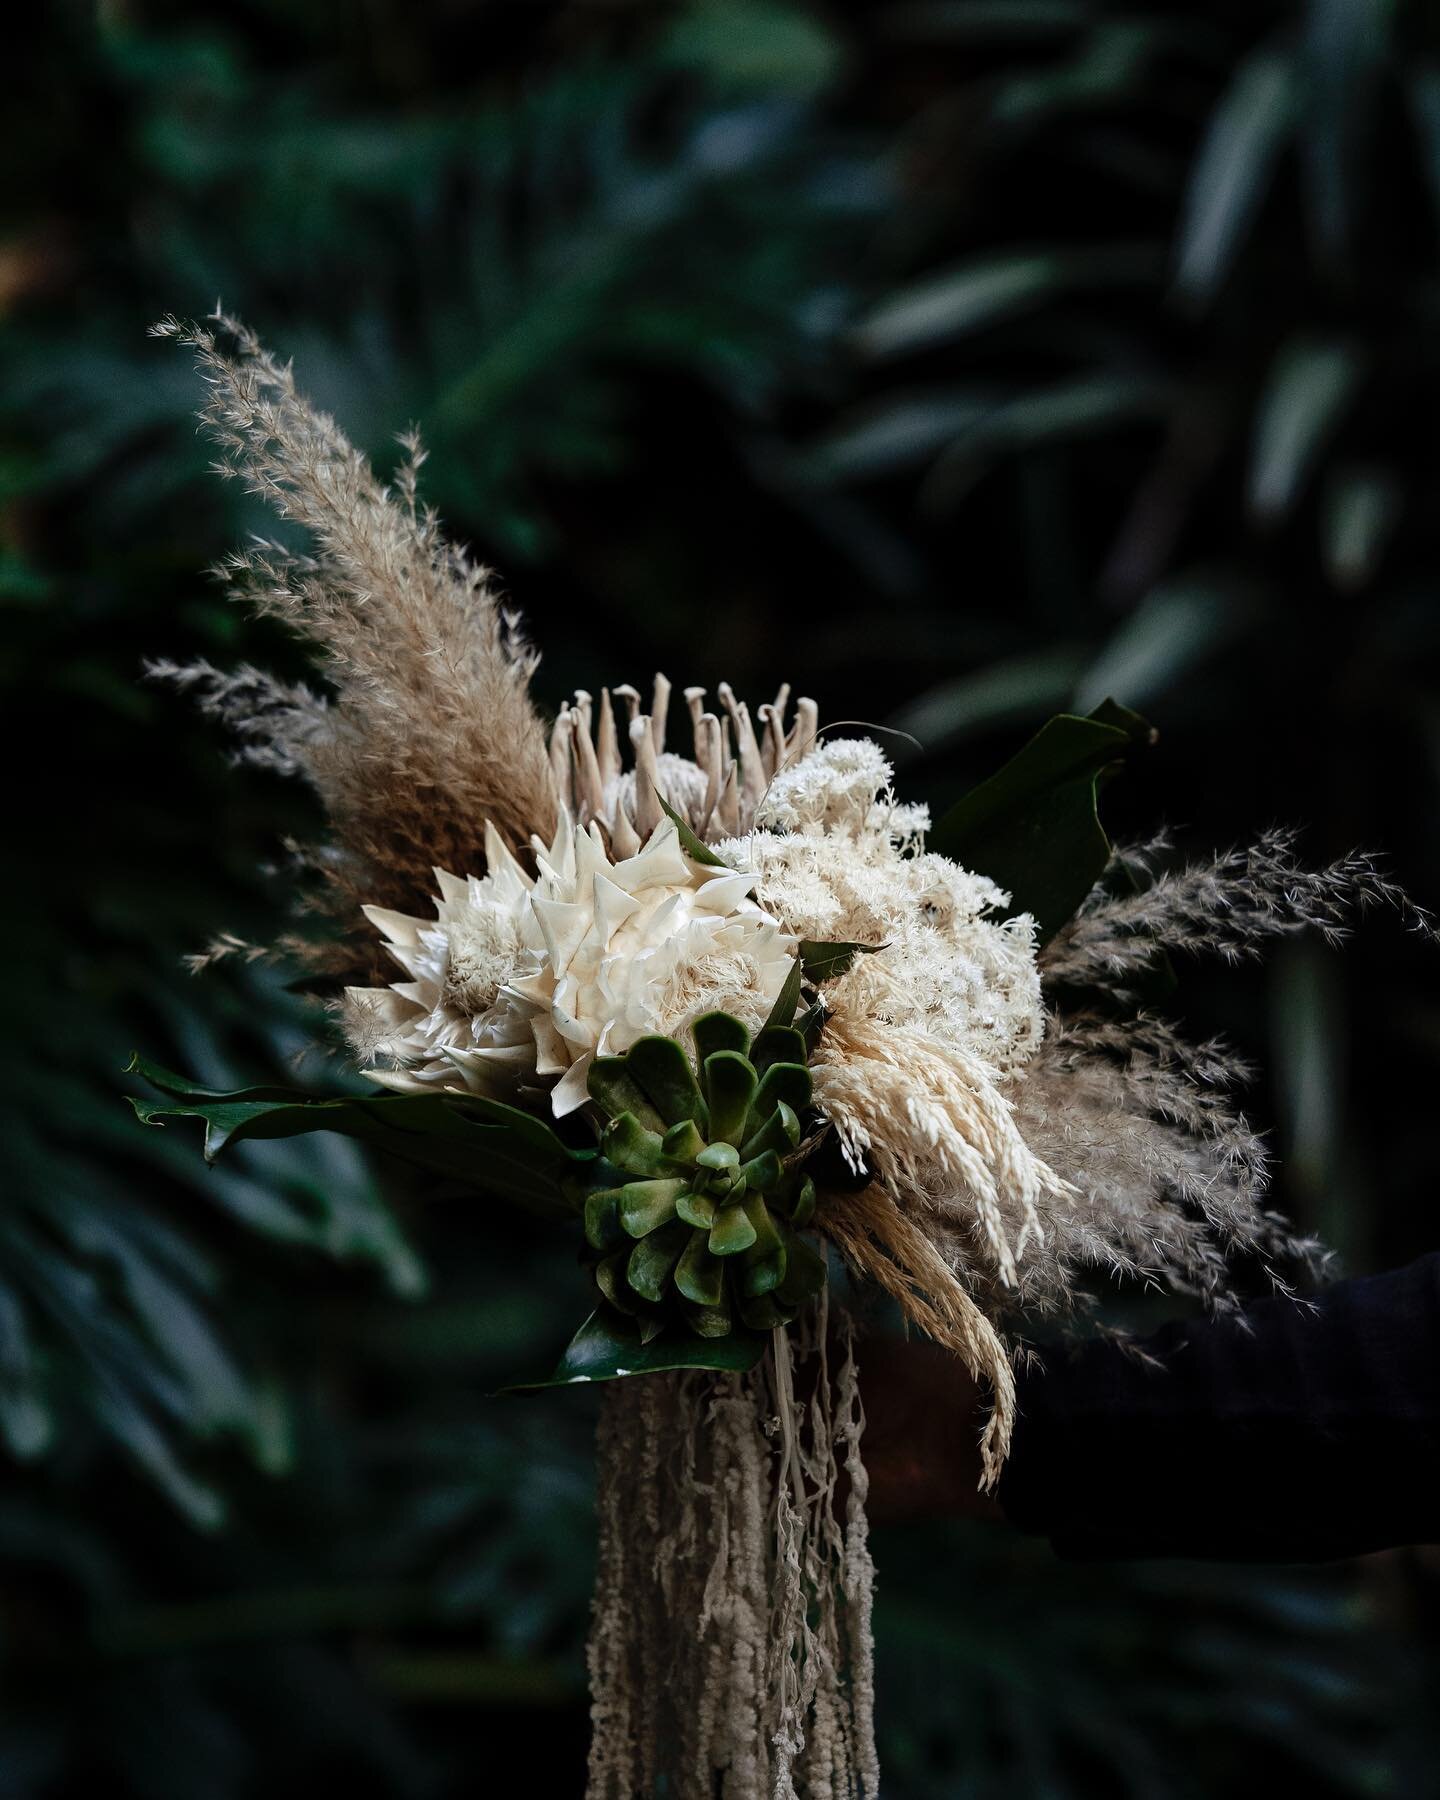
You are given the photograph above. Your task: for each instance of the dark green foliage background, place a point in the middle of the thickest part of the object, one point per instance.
(962, 360)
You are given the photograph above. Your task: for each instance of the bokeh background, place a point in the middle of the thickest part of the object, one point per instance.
(959, 360)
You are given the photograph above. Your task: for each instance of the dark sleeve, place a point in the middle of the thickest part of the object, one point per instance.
(1302, 1432)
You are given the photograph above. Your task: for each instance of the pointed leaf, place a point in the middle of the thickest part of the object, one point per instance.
(607, 1347)
(1034, 828)
(482, 1143)
(692, 846)
(823, 962)
(787, 1001)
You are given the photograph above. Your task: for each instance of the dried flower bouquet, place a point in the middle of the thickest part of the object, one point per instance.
(733, 1017)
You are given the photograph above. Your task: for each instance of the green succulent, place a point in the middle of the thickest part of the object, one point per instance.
(699, 1197)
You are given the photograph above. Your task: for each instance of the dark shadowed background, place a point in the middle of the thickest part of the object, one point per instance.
(960, 361)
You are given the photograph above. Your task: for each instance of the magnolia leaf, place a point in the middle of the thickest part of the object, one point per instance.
(608, 1346)
(689, 842)
(823, 962)
(461, 1136)
(1034, 828)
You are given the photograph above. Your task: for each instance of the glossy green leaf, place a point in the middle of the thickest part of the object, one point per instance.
(699, 1276)
(693, 847)
(1034, 828)
(787, 1002)
(823, 962)
(663, 1071)
(607, 1347)
(732, 1231)
(647, 1205)
(654, 1257)
(460, 1136)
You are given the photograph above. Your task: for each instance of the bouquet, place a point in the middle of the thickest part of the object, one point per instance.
(688, 981)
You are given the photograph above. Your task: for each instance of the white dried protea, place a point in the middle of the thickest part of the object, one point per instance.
(522, 979)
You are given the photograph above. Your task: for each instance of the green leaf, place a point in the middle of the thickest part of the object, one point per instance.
(730, 1088)
(607, 1347)
(787, 1001)
(663, 1071)
(714, 1031)
(1034, 828)
(823, 962)
(479, 1142)
(689, 842)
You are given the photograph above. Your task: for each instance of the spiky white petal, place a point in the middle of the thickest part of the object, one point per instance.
(526, 980)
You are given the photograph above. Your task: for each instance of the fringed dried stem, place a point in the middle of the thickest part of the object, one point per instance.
(431, 730)
(730, 1655)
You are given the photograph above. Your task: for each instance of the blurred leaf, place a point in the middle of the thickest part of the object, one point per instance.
(980, 293)
(1422, 78)
(1070, 409)
(1017, 688)
(1034, 828)
(754, 44)
(1362, 507)
(1342, 53)
(897, 432)
(1232, 171)
(1309, 388)
(1176, 626)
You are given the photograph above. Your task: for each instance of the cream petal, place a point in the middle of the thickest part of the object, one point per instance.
(612, 906)
(725, 894)
(531, 990)
(551, 1055)
(571, 1092)
(397, 928)
(564, 924)
(499, 861)
(454, 889)
(400, 1081)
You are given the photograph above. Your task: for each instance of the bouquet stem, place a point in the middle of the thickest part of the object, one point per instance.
(730, 1653)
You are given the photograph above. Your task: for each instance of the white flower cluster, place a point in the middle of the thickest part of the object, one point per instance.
(527, 980)
(847, 864)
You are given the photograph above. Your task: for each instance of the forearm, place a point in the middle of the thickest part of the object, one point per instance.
(1312, 1434)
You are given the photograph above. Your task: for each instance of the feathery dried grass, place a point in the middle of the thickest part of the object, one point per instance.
(1230, 906)
(431, 729)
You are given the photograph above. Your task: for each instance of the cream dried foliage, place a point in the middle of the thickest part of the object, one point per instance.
(430, 729)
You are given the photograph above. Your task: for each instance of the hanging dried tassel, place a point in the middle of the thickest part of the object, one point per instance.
(730, 1653)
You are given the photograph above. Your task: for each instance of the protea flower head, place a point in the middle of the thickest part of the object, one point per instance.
(524, 979)
(717, 790)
